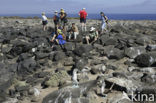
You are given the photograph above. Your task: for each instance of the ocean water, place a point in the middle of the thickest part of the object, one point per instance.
(97, 16)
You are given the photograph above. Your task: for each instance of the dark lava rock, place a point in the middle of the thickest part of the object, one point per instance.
(22, 88)
(113, 53)
(75, 93)
(69, 62)
(103, 39)
(41, 41)
(112, 67)
(133, 52)
(41, 74)
(5, 77)
(83, 50)
(12, 93)
(2, 97)
(30, 79)
(13, 67)
(59, 56)
(122, 44)
(79, 38)
(27, 66)
(151, 47)
(143, 41)
(40, 55)
(146, 60)
(24, 56)
(69, 46)
(98, 69)
(149, 78)
(6, 48)
(20, 47)
(80, 63)
(111, 41)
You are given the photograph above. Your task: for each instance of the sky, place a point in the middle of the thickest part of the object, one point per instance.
(74, 6)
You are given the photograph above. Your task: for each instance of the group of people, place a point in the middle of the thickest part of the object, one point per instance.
(61, 20)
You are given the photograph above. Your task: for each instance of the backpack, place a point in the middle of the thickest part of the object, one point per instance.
(65, 20)
(55, 18)
(64, 37)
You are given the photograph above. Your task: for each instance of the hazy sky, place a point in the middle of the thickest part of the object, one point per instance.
(73, 6)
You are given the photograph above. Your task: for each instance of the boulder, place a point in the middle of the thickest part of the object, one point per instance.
(144, 40)
(149, 78)
(13, 67)
(133, 52)
(103, 39)
(151, 47)
(83, 50)
(24, 56)
(69, 61)
(69, 46)
(79, 38)
(70, 94)
(6, 77)
(130, 42)
(59, 56)
(56, 78)
(113, 53)
(27, 66)
(2, 97)
(40, 55)
(6, 48)
(146, 60)
(98, 69)
(20, 47)
(112, 66)
(22, 88)
(122, 44)
(81, 63)
(111, 41)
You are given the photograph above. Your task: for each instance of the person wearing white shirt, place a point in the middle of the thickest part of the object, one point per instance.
(44, 21)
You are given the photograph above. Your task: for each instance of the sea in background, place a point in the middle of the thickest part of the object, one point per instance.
(96, 16)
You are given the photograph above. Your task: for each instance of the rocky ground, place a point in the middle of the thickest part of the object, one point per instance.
(31, 71)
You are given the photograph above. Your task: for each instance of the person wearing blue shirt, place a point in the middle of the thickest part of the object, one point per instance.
(104, 20)
(59, 37)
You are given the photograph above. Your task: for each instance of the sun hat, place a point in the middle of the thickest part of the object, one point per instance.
(43, 13)
(62, 10)
(56, 11)
(59, 31)
(92, 29)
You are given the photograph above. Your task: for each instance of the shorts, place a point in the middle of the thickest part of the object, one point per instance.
(44, 22)
(91, 38)
(56, 22)
(82, 20)
(103, 26)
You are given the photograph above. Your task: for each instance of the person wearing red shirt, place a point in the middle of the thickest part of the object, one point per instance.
(83, 14)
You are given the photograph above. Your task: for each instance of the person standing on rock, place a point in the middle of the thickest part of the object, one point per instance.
(73, 31)
(104, 23)
(83, 14)
(44, 21)
(56, 19)
(63, 18)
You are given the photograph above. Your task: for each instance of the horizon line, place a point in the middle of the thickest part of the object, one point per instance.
(70, 13)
